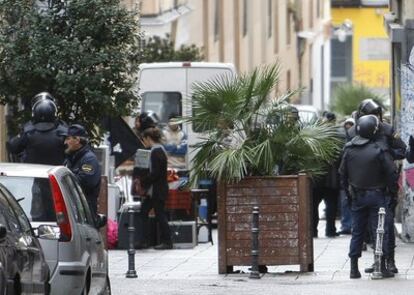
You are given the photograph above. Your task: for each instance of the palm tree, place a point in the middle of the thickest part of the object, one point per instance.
(247, 133)
(347, 97)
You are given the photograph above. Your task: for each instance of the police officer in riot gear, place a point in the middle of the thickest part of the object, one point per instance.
(389, 140)
(84, 164)
(367, 172)
(386, 135)
(42, 139)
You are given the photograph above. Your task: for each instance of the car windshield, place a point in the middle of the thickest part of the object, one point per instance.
(307, 116)
(34, 195)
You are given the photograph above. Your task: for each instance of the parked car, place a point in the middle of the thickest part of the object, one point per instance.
(307, 113)
(23, 268)
(57, 209)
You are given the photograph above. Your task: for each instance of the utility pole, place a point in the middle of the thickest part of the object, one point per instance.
(400, 27)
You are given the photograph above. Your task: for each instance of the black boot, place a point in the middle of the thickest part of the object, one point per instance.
(370, 269)
(355, 274)
(391, 264)
(386, 273)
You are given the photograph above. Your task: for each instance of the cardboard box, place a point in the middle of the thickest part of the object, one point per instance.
(183, 234)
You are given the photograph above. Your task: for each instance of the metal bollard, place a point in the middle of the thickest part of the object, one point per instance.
(254, 274)
(131, 207)
(377, 274)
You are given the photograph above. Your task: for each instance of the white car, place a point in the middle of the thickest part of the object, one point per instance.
(57, 209)
(307, 113)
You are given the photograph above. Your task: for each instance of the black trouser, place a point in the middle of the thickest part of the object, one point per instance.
(392, 203)
(365, 208)
(330, 196)
(160, 216)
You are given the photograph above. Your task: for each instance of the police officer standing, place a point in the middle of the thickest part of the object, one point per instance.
(388, 139)
(42, 139)
(386, 136)
(367, 172)
(84, 164)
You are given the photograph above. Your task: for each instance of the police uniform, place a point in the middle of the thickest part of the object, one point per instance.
(40, 143)
(367, 173)
(387, 138)
(85, 166)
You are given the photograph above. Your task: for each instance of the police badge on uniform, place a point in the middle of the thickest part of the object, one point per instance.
(87, 168)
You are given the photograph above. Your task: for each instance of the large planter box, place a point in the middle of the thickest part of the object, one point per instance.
(285, 235)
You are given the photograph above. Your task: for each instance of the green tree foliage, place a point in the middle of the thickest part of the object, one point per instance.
(248, 134)
(81, 51)
(347, 98)
(159, 49)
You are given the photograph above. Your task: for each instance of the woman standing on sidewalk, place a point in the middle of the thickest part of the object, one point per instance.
(156, 186)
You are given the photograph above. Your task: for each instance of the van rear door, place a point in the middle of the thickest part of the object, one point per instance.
(199, 75)
(162, 90)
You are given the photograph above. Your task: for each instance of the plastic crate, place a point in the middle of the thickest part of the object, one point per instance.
(179, 200)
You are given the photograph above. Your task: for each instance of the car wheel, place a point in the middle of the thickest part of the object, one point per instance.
(107, 290)
(85, 290)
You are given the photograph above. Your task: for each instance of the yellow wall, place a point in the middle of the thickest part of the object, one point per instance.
(367, 22)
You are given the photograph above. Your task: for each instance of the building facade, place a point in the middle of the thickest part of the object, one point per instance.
(253, 33)
(360, 48)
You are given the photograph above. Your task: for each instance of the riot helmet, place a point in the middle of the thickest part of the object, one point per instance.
(44, 110)
(369, 107)
(148, 119)
(41, 96)
(367, 126)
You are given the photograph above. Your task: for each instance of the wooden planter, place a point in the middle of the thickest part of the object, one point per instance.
(285, 235)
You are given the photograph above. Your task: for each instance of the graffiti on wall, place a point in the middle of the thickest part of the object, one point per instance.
(407, 128)
(370, 77)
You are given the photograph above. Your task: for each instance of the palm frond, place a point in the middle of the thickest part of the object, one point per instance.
(250, 134)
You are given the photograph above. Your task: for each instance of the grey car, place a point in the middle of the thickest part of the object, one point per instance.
(57, 209)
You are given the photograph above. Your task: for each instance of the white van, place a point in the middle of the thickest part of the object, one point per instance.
(166, 89)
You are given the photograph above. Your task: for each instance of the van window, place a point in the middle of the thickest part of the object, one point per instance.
(164, 104)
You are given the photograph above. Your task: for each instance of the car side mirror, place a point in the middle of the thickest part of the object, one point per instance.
(3, 233)
(48, 232)
(101, 220)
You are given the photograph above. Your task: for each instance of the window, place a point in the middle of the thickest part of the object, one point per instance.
(9, 215)
(269, 18)
(318, 8)
(341, 61)
(245, 18)
(164, 104)
(217, 21)
(288, 81)
(276, 24)
(34, 194)
(288, 26)
(311, 14)
(21, 216)
(81, 196)
(71, 192)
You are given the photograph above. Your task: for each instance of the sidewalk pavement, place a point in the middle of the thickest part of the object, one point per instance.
(195, 271)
